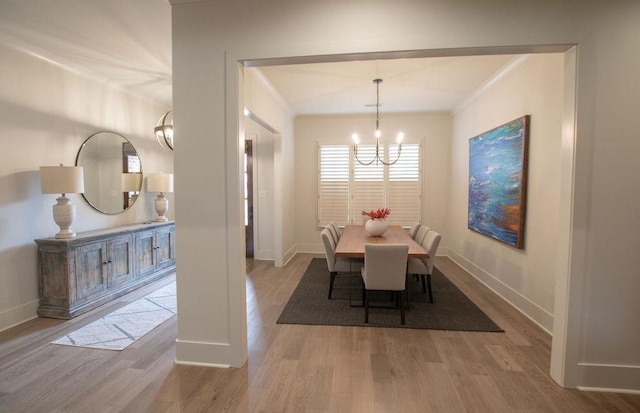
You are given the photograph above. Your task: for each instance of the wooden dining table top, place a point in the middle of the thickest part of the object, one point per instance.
(351, 244)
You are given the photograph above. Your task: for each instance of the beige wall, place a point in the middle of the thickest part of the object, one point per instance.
(432, 130)
(46, 113)
(533, 86)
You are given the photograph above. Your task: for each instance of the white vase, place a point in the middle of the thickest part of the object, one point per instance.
(376, 226)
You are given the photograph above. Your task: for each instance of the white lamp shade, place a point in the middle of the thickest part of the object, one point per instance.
(61, 179)
(160, 182)
(131, 182)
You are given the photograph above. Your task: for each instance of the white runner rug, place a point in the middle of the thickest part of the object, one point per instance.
(119, 329)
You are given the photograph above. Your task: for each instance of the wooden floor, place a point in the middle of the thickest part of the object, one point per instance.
(294, 368)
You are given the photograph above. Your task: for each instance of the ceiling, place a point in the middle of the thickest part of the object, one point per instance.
(128, 44)
(408, 85)
(124, 42)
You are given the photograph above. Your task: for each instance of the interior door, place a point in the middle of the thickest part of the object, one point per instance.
(248, 196)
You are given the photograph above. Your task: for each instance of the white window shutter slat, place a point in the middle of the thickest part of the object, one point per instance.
(333, 185)
(345, 187)
(368, 184)
(405, 186)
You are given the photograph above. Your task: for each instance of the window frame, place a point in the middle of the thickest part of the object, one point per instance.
(352, 213)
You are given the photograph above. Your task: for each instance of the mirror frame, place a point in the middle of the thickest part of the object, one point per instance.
(127, 147)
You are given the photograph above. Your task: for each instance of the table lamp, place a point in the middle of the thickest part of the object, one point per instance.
(162, 183)
(62, 180)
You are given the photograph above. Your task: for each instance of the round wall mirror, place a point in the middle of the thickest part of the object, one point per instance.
(112, 172)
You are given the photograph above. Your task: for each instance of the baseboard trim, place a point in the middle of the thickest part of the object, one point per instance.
(288, 256)
(218, 366)
(606, 390)
(17, 315)
(610, 378)
(208, 354)
(531, 310)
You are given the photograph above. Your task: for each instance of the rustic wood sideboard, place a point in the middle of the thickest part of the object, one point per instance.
(79, 274)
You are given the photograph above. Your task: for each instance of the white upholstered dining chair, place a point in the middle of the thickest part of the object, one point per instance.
(385, 269)
(336, 264)
(424, 267)
(331, 226)
(413, 231)
(421, 233)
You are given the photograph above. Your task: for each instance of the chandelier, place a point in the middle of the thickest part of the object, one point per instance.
(164, 131)
(378, 157)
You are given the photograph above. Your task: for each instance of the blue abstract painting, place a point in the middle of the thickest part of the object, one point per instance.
(497, 181)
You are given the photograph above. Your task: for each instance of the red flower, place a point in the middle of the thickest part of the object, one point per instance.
(381, 213)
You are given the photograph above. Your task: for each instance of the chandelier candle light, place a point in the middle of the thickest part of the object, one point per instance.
(356, 139)
(63, 180)
(162, 183)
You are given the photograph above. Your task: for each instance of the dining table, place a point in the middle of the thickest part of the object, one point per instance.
(354, 237)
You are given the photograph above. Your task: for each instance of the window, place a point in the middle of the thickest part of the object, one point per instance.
(345, 187)
(333, 184)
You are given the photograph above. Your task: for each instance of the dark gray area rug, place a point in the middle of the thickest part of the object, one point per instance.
(451, 309)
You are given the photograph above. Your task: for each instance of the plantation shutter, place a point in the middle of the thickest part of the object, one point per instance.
(333, 185)
(404, 190)
(368, 184)
(346, 187)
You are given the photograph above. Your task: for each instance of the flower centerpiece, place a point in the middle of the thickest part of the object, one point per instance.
(376, 225)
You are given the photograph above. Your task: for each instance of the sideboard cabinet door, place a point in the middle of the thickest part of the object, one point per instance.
(120, 261)
(155, 250)
(165, 247)
(90, 271)
(145, 253)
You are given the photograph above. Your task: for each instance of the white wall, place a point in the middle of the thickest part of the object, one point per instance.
(433, 130)
(595, 344)
(46, 113)
(609, 291)
(534, 86)
(266, 103)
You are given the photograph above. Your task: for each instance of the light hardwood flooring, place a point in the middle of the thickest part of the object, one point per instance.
(295, 368)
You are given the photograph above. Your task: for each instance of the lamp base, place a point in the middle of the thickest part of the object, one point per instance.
(162, 206)
(64, 213)
(65, 234)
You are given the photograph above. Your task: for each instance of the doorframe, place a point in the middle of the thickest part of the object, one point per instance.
(278, 250)
(565, 340)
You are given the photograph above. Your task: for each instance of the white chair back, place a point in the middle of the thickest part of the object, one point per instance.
(329, 248)
(421, 233)
(413, 231)
(430, 244)
(385, 266)
(334, 232)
